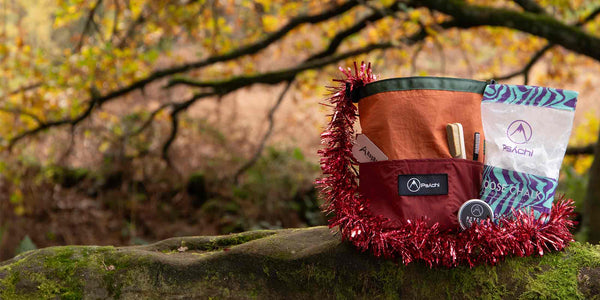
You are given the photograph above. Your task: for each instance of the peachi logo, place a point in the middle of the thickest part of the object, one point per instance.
(413, 185)
(477, 210)
(519, 132)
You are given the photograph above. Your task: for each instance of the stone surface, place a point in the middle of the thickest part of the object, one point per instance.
(283, 264)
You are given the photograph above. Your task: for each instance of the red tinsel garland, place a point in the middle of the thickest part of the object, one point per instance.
(487, 242)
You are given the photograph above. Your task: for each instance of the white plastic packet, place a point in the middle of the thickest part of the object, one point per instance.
(526, 129)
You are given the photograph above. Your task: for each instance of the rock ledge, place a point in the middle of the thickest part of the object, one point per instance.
(284, 264)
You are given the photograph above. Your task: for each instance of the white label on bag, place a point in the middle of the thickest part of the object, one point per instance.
(366, 151)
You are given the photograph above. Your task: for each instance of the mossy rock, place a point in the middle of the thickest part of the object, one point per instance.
(284, 264)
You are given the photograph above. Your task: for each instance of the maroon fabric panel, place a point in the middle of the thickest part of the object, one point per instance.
(379, 183)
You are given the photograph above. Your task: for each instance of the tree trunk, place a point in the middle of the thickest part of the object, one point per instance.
(592, 198)
(308, 263)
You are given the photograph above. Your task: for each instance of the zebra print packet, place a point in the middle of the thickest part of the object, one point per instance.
(527, 129)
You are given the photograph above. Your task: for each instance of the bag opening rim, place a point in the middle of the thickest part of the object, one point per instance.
(420, 83)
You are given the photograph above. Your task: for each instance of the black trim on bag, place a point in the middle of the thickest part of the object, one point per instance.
(419, 83)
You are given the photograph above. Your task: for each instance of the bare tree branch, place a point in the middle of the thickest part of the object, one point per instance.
(227, 86)
(315, 61)
(71, 146)
(555, 31)
(46, 125)
(337, 40)
(133, 27)
(143, 16)
(89, 22)
(115, 26)
(589, 17)
(440, 49)
(581, 150)
(243, 51)
(150, 119)
(414, 57)
(177, 109)
(540, 53)
(274, 77)
(525, 70)
(530, 6)
(26, 88)
(18, 111)
(230, 85)
(261, 145)
(170, 139)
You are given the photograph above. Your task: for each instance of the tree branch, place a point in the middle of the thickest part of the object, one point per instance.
(46, 125)
(171, 138)
(589, 17)
(274, 77)
(26, 88)
(227, 86)
(231, 85)
(581, 150)
(243, 51)
(71, 146)
(540, 53)
(18, 111)
(467, 15)
(115, 26)
(88, 23)
(178, 108)
(261, 145)
(531, 6)
(148, 121)
(525, 70)
(337, 40)
(132, 28)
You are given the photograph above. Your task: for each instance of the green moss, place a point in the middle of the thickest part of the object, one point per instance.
(64, 276)
(559, 281)
(221, 242)
(63, 280)
(60, 282)
(390, 277)
(8, 284)
(553, 276)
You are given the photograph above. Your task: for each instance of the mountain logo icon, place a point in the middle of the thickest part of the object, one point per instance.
(477, 210)
(413, 185)
(519, 132)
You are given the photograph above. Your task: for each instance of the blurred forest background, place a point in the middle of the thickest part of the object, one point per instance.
(128, 121)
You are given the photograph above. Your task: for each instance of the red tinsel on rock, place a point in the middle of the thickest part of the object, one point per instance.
(484, 243)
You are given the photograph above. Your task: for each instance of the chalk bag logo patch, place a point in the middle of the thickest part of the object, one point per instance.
(422, 184)
(413, 185)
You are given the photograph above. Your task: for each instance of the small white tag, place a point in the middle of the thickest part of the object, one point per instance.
(365, 151)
